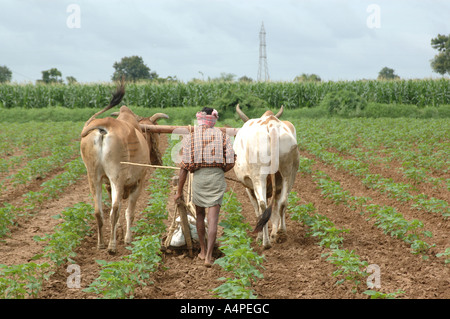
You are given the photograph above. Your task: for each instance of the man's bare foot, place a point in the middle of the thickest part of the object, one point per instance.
(209, 263)
(201, 256)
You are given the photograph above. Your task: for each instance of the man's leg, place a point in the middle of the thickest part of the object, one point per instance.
(200, 223)
(213, 220)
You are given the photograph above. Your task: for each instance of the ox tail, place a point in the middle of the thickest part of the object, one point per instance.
(102, 129)
(265, 217)
(116, 98)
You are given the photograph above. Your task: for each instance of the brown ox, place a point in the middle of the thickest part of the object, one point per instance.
(104, 144)
(266, 164)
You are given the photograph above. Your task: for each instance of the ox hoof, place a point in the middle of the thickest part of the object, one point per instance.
(267, 246)
(112, 251)
(280, 237)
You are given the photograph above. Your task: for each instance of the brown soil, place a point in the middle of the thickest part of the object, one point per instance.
(294, 269)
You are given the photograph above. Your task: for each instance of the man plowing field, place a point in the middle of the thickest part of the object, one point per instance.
(208, 154)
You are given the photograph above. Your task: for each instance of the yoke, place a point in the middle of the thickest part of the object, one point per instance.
(180, 129)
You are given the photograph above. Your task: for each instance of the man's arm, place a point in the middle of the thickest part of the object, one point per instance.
(229, 155)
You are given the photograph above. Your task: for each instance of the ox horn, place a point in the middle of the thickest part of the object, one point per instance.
(155, 117)
(279, 112)
(241, 114)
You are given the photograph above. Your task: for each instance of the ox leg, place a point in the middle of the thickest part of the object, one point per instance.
(266, 240)
(116, 193)
(96, 190)
(129, 213)
(261, 202)
(279, 223)
(275, 218)
(252, 197)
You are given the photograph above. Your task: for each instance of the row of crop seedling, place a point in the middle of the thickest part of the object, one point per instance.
(119, 279)
(37, 140)
(387, 218)
(425, 154)
(22, 281)
(239, 260)
(416, 166)
(422, 143)
(402, 192)
(420, 147)
(50, 189)
(25, 137)
(40, 167)
(349, 266)
(399, 191)
(26, 280)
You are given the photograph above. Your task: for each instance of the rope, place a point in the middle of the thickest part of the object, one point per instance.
(148, 165)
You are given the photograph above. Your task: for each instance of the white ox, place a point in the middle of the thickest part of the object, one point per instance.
(104, 144)
(266, 164)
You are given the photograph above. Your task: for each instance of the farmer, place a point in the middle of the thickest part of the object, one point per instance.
(208, 153)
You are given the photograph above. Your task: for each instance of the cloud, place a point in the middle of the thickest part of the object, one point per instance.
(185, 37)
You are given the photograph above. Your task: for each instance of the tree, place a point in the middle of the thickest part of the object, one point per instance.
(71, 80)
(245, 78)
(133, 68)
(441, 61)
(307, 78)
(387, 74)
(51, 76)
(168, 79)
(5, 74)
(224, 77)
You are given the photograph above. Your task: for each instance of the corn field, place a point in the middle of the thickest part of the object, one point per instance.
(291, 95)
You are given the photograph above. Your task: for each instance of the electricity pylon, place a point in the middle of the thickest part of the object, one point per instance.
(263, 70)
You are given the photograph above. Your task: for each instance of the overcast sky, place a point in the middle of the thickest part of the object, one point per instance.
(338, 40)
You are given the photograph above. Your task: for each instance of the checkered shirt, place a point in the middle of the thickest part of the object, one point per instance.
(206, 147)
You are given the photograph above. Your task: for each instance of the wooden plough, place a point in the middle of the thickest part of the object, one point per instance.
(183, 210)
